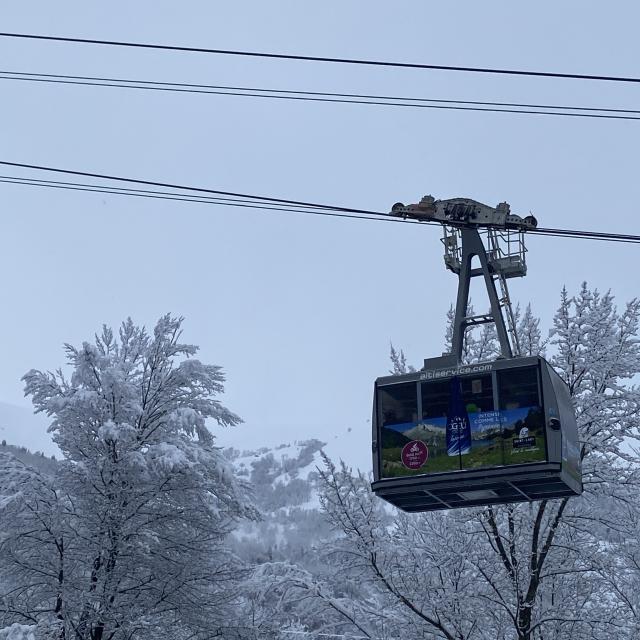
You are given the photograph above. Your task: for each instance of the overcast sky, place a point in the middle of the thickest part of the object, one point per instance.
(299, 310)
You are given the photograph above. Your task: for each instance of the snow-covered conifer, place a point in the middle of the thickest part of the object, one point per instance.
(398, 362)
(529, 334)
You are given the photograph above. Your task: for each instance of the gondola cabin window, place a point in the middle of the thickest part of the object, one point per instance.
(522, 415)
(399, 406)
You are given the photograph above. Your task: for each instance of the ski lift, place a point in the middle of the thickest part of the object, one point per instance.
(454, 435)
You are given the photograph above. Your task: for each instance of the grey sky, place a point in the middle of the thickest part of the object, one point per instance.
(300, 310)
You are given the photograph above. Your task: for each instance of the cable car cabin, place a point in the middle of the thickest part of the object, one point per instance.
(487, 433)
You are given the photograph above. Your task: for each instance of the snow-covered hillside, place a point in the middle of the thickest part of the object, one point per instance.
(38, 460)
(284, 482)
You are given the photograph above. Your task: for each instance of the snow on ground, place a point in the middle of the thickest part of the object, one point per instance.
(18, 632)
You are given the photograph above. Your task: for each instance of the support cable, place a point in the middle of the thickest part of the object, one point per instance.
(263, 202)
(329, 97)
(178, 197)
(169, 185)
(306, 58)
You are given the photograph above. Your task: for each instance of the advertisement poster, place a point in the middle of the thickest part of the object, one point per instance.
(458, 427)
(485, 439)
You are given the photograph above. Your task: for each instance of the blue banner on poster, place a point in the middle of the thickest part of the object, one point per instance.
(458, 425)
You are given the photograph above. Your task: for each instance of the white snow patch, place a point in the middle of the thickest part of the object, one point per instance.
(18, 632)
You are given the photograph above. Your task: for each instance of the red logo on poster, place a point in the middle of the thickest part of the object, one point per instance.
(414, 454)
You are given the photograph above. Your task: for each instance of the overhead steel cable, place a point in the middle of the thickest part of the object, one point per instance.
(130, 191)
(177, 197)
(598, 235)
(169, 185)
(325, 59)
(263, 202)
(249, 204)
(330, 97)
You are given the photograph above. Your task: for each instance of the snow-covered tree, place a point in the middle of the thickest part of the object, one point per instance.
(31, 544)
(398, 361)
(479, 343)
(127, 539)
(410, 575)
(529, 333)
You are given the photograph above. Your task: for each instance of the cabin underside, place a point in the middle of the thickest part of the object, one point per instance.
(474, 489)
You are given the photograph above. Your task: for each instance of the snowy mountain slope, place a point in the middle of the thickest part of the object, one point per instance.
(350, 443)
(353, 445)
(284, 482)
(39, 461)
(285, 490)
(283, 476)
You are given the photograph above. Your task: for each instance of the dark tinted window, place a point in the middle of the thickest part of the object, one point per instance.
(477, 393)
(435, 399)
(398, 403)
(518, 388)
